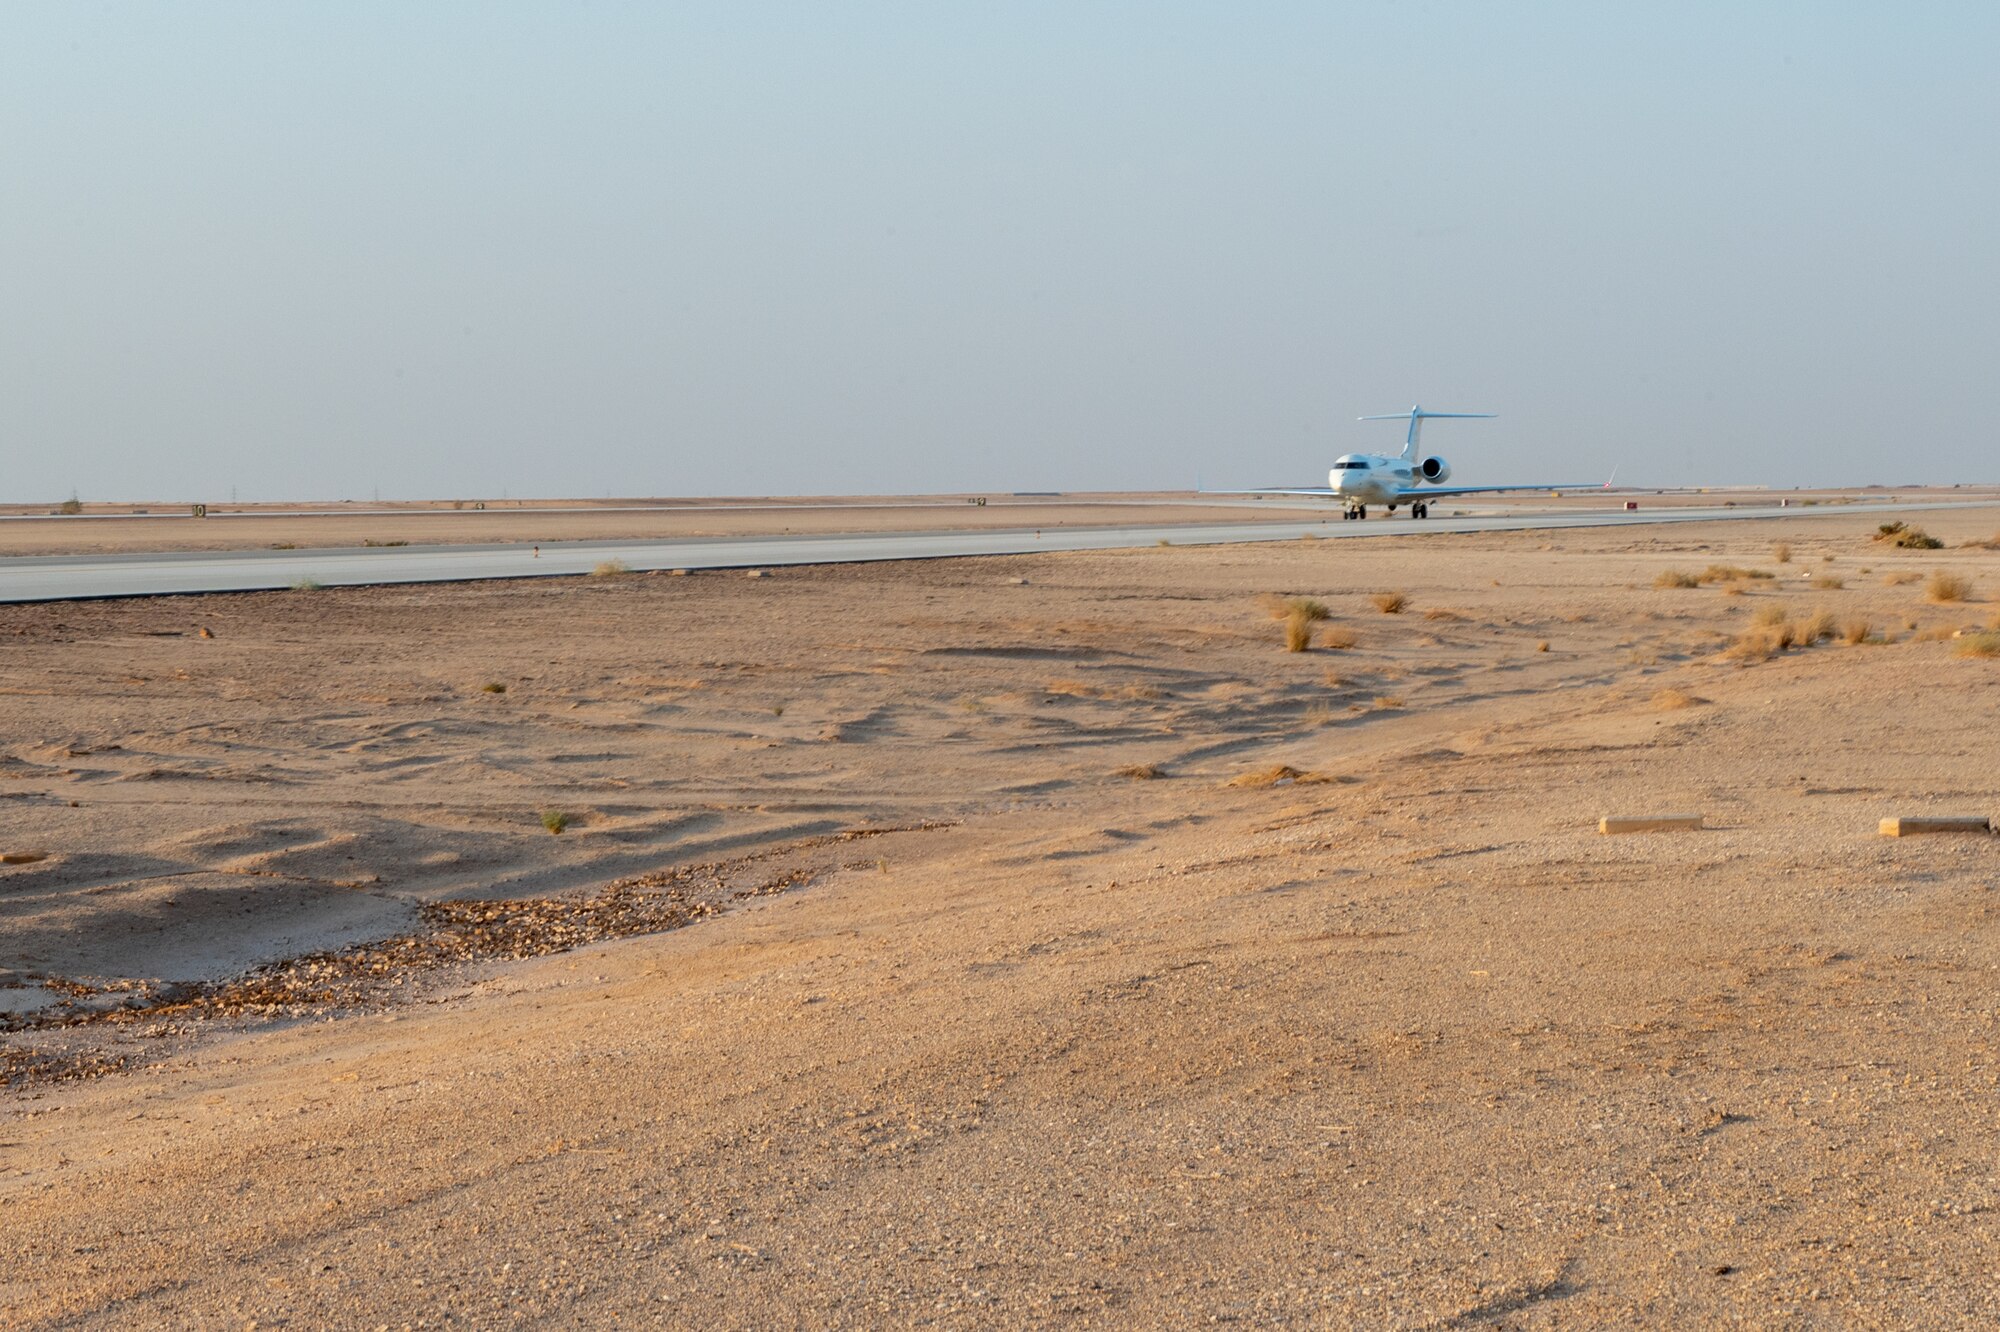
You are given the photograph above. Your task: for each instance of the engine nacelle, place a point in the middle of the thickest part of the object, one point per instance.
(1435, 469)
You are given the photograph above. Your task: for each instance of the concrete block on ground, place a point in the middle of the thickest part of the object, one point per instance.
(1936, 823)
(1638, 823)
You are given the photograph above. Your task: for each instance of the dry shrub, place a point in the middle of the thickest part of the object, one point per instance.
(1855, 632)
(1677, 578)
(1991, 543)
(1731, 573)
(1281, 608)
(1388, 703)
(1440, 613)
(1389, 603)
(1299, 615)
(1339, 638)
(1817, 628)
(1671, 699)
(1542, 646)
(1771, 616)
(1143, 772)
(1979, 645)
(611, 569)
(555, 820)
(494, 687)
(1945, 588)
(1757, 643)
(1830, 582)
(1782, 552)
(1734, 590)
(1937, 633)
(1268, 776)
(1907, 537)
(1898, 579)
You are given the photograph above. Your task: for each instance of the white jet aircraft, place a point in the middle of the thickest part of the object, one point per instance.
(1361, 479)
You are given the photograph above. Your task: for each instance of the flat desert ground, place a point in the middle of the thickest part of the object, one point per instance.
(1024, 942)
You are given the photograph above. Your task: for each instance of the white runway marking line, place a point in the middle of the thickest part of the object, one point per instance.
(85, 577)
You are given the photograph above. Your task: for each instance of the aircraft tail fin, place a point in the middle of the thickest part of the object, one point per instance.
(1416, 416)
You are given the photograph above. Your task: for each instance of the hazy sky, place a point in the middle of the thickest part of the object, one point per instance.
(319, 251)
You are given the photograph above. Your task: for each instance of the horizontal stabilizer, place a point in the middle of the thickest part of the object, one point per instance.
(1416, 416)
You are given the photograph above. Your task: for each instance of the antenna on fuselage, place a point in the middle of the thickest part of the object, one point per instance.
(1416, 417)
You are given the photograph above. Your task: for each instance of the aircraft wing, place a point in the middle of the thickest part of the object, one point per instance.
(1320, 492)
(1416, 492)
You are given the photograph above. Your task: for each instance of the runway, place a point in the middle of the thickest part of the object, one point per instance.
(82, 577)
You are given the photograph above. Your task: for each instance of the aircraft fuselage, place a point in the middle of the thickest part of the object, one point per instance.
(1360, 479)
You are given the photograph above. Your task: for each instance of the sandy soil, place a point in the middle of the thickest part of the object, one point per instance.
(871, 985)
(263, 527)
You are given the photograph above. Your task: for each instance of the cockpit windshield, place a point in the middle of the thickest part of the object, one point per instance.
(1350, 464)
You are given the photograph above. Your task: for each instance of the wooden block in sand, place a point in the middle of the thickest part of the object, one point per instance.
(1936, 823)
(1637, 823)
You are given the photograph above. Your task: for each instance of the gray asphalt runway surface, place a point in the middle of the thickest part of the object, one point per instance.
(78, 577)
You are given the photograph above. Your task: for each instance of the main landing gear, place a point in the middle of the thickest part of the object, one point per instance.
(1420, 511)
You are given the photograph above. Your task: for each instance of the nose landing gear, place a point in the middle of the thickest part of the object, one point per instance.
(1355, 514)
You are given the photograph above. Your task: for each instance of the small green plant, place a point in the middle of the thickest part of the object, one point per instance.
(555, 820)
(71, 506)
(494, 687)
(1979, 645)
